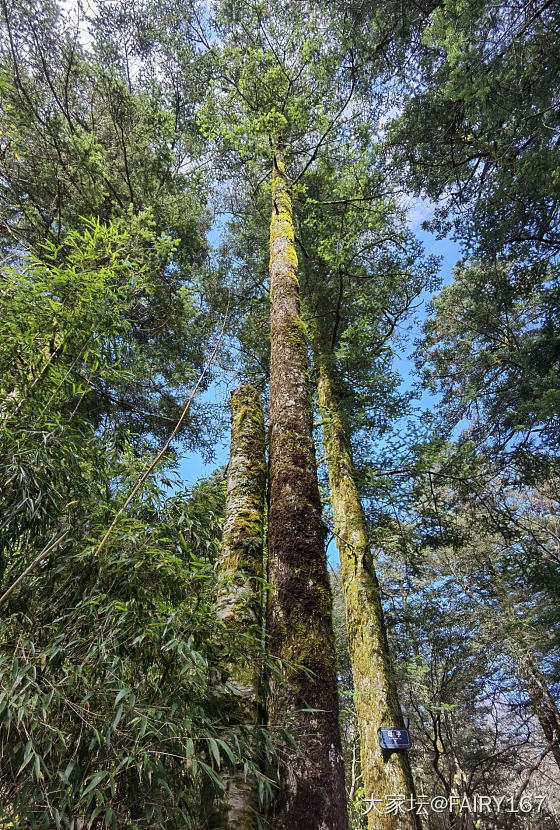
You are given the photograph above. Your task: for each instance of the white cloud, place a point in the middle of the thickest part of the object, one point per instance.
(76, 12)
(418, 210)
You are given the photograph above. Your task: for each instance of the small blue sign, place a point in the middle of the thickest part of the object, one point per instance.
(394, 738)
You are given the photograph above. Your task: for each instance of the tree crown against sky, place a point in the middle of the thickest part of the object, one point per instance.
(114, 149)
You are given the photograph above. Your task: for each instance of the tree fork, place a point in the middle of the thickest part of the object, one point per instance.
(239, 601)
(375, 692)
(312, 795)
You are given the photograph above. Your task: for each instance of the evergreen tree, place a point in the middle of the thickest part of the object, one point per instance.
(90, 133)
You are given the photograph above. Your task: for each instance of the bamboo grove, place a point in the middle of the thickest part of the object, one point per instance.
(208, 237)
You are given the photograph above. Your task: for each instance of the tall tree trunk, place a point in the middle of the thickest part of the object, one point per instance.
(239, 601)
(312, 795)
(375, 692)
(543, 703)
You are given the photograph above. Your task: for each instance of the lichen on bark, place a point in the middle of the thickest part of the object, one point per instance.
(239, 600)
(375, 692)
(300, 607)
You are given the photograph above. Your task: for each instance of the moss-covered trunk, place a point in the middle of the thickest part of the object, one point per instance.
(239, 601)
(375, 693)
(300, 608)
(542, 701)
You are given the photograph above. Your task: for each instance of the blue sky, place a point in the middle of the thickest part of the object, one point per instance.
(193, 466)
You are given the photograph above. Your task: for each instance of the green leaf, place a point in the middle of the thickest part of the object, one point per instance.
(94, 781)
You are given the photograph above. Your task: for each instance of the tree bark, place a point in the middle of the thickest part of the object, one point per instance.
(239, 601)
(375, 692)
(312, 794)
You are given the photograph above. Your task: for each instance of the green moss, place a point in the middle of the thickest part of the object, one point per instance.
(242, 542)
(292, 257)
(244, 411)
(239, 414)
(282, 226)
(282, 223)
(246, 397)
(246, 406)
(305, 643)
(294, 332)
(297, 331)
(248, 526)
(375, 693)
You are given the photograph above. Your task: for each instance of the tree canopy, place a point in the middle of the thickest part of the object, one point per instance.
(199, 199)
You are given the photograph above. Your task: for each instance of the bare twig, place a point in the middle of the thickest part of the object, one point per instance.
(527, 777)
(45, 552)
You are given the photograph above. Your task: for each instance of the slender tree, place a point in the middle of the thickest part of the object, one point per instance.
(278, 125)
(300, 626)
(360, 272)
(375, 690)
(363, 271)
(240, 599)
